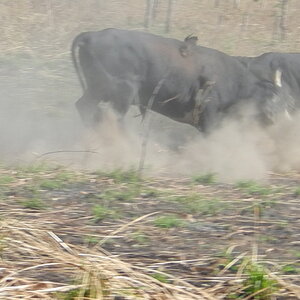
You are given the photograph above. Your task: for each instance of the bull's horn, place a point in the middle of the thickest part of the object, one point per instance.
(192, 39)
(288, 116)
(277, 78)
(209, 83)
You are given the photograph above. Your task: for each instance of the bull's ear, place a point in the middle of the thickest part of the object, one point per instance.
(191, 39)
(277, 78)
(188, 45)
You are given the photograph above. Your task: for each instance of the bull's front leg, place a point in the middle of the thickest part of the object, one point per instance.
(209, 118)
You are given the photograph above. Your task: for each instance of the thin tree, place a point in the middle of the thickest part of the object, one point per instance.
(169, 16)
(149, 13)
(283, 18)
(280, 24)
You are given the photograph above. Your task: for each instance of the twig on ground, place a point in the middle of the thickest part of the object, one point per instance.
(64, 151)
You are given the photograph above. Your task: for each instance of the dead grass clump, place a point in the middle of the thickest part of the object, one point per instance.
(36, 264)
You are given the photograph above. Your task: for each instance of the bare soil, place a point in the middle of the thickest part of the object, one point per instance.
(218, 223)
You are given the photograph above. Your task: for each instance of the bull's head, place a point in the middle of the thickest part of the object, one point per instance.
(282, 103)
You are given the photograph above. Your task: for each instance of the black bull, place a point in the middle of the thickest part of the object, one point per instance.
(199, 86)
(284, 70)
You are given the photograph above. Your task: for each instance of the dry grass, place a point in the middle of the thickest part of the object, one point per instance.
(44, 256)
(37, 264)
(32, 254)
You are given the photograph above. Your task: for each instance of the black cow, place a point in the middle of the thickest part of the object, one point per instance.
(194, 84)
(284, 70)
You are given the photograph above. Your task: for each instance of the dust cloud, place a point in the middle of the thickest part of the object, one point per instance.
(239, 150)
(38, 116)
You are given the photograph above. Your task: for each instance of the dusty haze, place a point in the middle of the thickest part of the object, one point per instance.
(39, 88)
(38, 116)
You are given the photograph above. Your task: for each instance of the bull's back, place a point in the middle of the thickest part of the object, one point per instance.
(123, 52)
(142, 58)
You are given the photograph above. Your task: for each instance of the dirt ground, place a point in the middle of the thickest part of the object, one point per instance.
(192, 229)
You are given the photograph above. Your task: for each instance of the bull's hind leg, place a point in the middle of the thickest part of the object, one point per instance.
(123, 97)
(88, 110)
(91, 115)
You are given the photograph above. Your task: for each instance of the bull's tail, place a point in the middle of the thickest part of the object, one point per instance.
(77, 43)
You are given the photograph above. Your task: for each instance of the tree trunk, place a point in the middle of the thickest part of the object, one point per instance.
(169, 16)
(149, 14)
(280, 23)
(283, 19)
